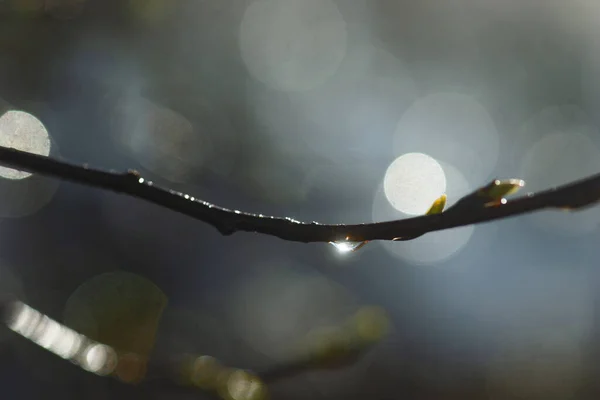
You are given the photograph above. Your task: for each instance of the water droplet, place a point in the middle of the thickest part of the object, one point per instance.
(346, 246)
(187, 196)
(141, 180)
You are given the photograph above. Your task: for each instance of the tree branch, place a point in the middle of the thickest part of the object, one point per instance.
(477, 207)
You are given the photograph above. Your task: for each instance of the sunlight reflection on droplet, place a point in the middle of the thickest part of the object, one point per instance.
(453, 128)
(434, 247)
(556, 159)
(346, 246)
(292, 45)
(413, 182)
(22, 131)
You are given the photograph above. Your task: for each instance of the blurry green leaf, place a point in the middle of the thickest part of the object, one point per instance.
(330, 347)
(338, 346)
(371, 324)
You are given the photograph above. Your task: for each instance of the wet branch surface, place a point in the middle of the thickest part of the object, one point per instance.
(474, 208)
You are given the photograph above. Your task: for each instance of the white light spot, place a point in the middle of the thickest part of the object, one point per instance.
(68, 344)
(242, 386)
(292, 45)
(434, 247)
(21, 317)
(346, 247)
(51, 335)
(44, 331)
(413, 182)
(24, 132)
(97, 359)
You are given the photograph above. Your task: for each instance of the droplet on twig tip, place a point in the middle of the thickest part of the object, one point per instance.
(347, 246)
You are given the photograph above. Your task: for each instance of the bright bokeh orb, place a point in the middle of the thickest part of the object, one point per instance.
(292, 45)
(413, 182)
(434, 247)
(99, 359)
(22, 131)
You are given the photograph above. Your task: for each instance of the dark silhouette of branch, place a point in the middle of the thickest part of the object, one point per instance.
(480, 206)
(344, 345)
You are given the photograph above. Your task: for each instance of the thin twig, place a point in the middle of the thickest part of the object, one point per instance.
(574, 195)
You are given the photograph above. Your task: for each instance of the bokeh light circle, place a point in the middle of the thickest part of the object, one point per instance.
(431, 248)
(413, 182)
(22, 131)
(292, 45)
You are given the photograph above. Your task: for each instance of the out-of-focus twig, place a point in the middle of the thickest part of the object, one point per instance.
(483, 205)
(325, 348)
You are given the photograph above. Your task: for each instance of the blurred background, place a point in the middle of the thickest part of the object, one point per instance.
(334, 111)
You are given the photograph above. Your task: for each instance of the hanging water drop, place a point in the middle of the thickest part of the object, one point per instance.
(346, 246)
